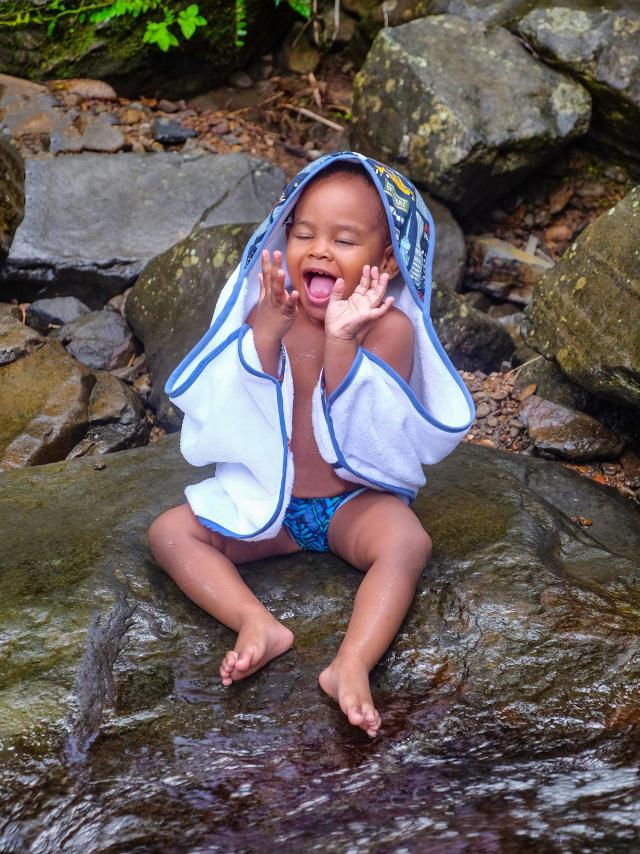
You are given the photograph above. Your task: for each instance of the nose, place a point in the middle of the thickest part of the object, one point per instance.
(319, 247)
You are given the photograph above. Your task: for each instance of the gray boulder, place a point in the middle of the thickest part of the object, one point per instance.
(467, 131)
(101, 339)
(585, 313)
(93, 221)
(600, 46)
(450, 255)
(513, 681)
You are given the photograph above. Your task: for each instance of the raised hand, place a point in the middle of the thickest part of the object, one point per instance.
(277, 309)
(346, 318)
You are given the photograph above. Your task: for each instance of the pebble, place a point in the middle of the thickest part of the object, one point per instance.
(170, 132)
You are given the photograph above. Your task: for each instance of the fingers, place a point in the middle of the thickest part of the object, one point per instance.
(337, 291)
(272, 281)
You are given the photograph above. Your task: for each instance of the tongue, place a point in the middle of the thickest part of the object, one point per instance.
(320, 287)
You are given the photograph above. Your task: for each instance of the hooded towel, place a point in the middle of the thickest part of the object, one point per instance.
(374, 429)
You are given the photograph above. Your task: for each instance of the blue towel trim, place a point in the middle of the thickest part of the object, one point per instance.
(406, 388)
(385, 487)
(214, 526)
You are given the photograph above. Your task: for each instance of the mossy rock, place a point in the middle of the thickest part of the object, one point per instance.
(171, 304)
(585, 313)
(599, 45)
(114, 50)
(11, 192)
(466, 131)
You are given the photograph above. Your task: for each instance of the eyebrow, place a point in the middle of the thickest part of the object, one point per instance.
(337, 227)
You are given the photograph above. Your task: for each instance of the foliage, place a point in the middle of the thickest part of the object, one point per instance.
(158, 32)
(302, 7)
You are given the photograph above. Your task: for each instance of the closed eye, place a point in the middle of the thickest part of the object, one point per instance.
(346, 242)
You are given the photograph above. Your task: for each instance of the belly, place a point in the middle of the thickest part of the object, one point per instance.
(314, 478)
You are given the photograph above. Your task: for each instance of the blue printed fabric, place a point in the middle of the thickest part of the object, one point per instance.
(409, 216)
(307, 519)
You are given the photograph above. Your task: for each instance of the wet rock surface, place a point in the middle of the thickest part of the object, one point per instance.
(584, 312)
(509, 699)
(80, 208)
(466, 139)
(559, 431)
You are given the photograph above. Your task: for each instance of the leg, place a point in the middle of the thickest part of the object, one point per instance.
(379, 534)
(201, 563)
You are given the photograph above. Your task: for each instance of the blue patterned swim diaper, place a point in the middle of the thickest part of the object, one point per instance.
(308, 519)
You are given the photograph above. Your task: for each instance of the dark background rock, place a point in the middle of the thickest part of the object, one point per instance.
(11, 192)
(473, 340)
(470, 131)
(513, 682)
(93, 221)
(116, 419)
(171, 304)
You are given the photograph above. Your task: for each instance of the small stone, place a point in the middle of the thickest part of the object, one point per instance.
(241, 80)
(99, 466)
(169, 132)
(47, 314)
(171, 106)
(558, 233)
(101, 340)
(132, 117)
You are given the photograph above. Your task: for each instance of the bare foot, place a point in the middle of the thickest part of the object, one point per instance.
(259, 640)
(348, 683)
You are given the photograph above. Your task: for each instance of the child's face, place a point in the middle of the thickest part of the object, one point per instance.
(338, 228)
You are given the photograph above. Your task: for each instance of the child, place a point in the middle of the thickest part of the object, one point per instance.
(375, 396)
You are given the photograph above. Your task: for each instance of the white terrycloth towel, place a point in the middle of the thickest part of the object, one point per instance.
(375, 429)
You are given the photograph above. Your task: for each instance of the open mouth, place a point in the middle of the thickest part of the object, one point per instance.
(319, 285)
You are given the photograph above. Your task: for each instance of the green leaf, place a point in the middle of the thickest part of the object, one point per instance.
(302, 7)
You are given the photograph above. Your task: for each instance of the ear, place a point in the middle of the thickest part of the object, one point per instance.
(389, 264)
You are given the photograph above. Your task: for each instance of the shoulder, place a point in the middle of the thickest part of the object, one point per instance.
(394, 325)
(392, 338)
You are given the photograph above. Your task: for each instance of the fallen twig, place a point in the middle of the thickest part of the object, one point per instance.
(316, 118)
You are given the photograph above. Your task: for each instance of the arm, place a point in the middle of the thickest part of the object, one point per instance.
(350, 321)
(273, 316)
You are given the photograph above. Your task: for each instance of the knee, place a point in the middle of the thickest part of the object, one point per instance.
(415, 548)
(163, 529)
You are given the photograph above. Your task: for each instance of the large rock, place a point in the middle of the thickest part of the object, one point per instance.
(11, 192)
(585, 313)
(511, 690)
(93, 221)
(43, 406)
(467, 131)
(171, 304)
(600, 46)
(115, 50)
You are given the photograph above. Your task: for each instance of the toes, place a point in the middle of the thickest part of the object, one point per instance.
(245, 659)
